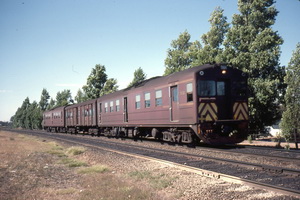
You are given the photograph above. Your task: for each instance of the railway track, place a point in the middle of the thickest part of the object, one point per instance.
(286, 156)
(281, 180)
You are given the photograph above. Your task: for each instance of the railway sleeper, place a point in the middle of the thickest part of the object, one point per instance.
(270, 169)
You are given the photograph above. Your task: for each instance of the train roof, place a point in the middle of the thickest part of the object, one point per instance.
(176, 76)
(152, 82)
(56, 108)
(161, 80)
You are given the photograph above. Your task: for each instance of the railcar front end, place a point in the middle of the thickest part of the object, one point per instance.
(222, 105)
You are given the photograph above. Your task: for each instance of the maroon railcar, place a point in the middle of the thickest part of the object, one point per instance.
(209, 102)
(54, 119)
(82, 117)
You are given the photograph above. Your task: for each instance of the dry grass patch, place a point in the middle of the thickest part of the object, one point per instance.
(56, 149)
(75, 150)
(72, 162)
(159, 181)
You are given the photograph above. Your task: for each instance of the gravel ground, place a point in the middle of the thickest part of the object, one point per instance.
(37, 168)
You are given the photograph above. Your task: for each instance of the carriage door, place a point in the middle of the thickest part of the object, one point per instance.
(174, 109)
(100, 112)
(125, 113)
(224, 100)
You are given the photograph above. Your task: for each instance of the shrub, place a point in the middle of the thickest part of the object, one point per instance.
(72, 163)
(75, 150)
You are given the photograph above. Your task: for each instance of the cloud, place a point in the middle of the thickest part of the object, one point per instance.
(6, 91)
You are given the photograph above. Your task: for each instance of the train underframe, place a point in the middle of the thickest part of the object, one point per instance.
(220, 132)
(223, 131)
(168, 134)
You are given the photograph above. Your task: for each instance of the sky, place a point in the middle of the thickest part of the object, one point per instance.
(54, 44)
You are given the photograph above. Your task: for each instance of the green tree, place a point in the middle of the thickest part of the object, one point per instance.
(196, 54)
(44, 102)
(20, 119)
(36, 116)
(213, 39)
(95, 82)
(63, 98)
(28, 116)
(110, 86)
(51, 104)
(80, 96)
(33, 116)
(290, 118)
(178, 57)
(254, 47)
(138, 77)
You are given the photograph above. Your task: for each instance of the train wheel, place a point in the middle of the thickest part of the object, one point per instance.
(186, 137)
(156, 133)
(136, 132)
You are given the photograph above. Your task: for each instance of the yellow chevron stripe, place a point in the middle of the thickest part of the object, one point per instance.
(208, 111)
(234, 106)
(245, 107)
(240, 111)
(201, 107)
(214, 106)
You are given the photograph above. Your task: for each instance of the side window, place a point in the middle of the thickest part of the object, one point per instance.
(158, 98)
(207, 88)
(147, 100)
(240, 88)
(86, 112)
(174, 91)
(100, 107)
(106, 107)
(111, 108)
(189, 92)
(138, 101)
(117, 105)
(221, 88)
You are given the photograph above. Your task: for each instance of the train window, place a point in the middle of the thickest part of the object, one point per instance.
(207, 88)
(147, 100)
(100, 107)
(189, 92)
(106, 107)
(221, 88)
(174, 91)
(111, 109)
(158, 98)
(117, 105)
(91, 112)
(240, 88)
(138, 101)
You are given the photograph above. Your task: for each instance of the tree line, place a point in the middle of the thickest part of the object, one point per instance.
(248, 43)
(29, 115)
